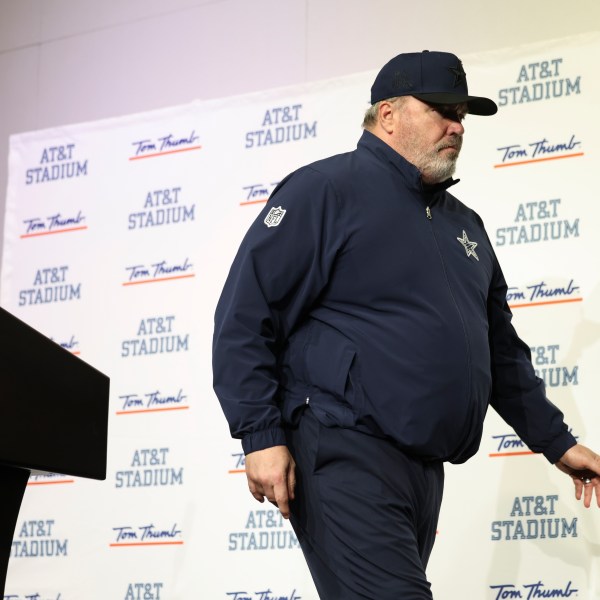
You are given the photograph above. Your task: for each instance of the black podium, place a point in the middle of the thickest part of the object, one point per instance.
(53, 417)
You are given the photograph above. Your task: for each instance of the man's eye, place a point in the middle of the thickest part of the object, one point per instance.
(452, 115)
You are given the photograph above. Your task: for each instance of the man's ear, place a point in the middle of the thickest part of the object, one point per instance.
(386, 116)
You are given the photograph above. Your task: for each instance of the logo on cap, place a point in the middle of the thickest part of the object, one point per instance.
(459, 74)
(402, 81)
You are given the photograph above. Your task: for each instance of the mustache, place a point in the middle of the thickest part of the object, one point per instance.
(455, 142)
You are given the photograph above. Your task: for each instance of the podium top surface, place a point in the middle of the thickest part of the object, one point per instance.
(53, 405)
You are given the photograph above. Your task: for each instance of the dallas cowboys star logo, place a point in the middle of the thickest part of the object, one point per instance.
(459, 73)
(468, 245)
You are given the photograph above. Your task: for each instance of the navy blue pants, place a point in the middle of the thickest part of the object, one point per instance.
(365, 513)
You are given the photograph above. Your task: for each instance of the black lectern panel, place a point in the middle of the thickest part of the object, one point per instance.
(53, 417)
(53, 405)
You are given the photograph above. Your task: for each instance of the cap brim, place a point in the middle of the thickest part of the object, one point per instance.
(477, 105)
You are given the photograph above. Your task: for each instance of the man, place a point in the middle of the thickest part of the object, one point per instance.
(361, 335)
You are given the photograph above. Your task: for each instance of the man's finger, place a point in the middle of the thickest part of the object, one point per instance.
(578, 487)
(282, 498)
(588, 489)
(291, 482)
(256, 490)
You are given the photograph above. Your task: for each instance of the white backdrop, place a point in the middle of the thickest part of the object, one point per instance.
(118, 238)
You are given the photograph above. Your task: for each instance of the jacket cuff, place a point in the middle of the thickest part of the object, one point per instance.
(267, 438)
(559, 446)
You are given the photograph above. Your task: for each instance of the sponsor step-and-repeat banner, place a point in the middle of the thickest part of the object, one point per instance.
(119, 236)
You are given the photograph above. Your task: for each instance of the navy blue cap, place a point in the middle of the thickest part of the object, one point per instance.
(433, 77)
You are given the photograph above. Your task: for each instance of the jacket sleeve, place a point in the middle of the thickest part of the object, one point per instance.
(518, 395)
(276, 276)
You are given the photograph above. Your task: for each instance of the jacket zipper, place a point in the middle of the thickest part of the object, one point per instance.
(461, 319)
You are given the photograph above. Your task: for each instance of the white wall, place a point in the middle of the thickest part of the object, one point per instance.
(66, 61)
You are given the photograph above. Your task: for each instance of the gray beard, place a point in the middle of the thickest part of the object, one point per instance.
(435, 167)
(438, 169)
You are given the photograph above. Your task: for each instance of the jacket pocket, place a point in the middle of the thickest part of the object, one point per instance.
(331, 372)
(328, 357)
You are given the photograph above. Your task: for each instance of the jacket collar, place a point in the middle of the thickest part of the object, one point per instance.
(409, 172)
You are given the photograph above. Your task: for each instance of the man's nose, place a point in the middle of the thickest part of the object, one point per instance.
(455, 128)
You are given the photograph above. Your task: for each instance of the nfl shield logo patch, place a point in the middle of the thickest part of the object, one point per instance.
(274, 216)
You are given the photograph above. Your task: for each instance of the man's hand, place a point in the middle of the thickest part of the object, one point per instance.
(583, 466)
(272, 473)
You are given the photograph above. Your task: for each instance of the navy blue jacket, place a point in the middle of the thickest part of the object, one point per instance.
(381, 303)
